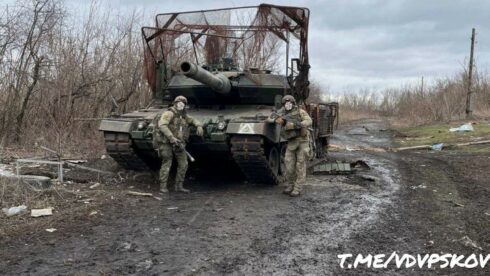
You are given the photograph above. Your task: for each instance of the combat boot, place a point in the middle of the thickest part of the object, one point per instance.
(163, 190)
(295, 192)
(179, 187)
(288, 190)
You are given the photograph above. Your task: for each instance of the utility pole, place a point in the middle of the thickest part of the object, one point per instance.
(469, 107)
(422, 86)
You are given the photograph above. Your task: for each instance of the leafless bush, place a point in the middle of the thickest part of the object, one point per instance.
(444, 101)
(60, 73)
(441, 102)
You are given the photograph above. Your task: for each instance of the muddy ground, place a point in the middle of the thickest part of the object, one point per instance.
(420, 202)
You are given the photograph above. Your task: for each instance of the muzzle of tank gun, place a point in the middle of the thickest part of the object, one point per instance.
(218, 82)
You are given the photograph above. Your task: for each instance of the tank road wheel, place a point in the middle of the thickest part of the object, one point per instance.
(119, 147)
(274, 162)
(254, 161)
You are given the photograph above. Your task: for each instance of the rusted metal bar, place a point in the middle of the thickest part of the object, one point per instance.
(60, 165)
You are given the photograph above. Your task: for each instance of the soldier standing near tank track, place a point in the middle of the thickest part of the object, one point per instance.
(295, 123)
(171, 136)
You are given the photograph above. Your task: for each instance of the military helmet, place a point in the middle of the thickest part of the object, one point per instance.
(288, 98)
(180, 99)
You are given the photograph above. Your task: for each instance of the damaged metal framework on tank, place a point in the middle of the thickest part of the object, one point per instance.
(234, 66)
(247, 37)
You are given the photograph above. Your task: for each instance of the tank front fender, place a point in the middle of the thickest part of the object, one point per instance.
(270, 130)
(115, 126)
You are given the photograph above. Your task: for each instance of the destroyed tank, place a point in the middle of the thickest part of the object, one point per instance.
(232, 103)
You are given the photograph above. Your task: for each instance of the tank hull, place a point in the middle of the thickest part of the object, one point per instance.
(238, 134)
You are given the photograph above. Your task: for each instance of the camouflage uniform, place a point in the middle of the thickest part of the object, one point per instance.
(297, 152)
(173, 124)
(295, 130)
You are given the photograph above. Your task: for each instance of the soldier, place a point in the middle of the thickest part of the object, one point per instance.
(295, 122)
(173, 133)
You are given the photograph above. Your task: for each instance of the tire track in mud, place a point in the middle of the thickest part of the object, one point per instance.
(235, 228)
(426, 218)
(315, 227)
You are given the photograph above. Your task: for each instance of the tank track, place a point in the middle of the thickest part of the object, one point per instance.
(118, 146)
(249, 154)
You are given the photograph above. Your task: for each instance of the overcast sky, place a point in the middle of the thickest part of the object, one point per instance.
(369, 43)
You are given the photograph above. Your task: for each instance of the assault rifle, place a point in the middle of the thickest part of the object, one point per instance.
(286, 118)
(179, 146)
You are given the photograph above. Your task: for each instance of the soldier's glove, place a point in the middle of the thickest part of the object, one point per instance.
(279, 121)
(174, 140)
(289, 126)
(178, 146)
(199, 131)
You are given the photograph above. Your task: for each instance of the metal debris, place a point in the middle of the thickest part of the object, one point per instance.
(337, 167)
(35, 161)
(360, 164)
(76, 161)
(41, 212)
(89, 169)
(138, 193)
(369, 177)
(94, 185)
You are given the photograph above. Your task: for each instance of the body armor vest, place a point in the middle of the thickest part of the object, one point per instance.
(292, 116)
(178, 126)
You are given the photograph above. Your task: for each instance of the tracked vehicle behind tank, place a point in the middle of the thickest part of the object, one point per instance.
(220, 65)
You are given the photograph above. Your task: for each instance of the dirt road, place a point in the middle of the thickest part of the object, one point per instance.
(419, 203)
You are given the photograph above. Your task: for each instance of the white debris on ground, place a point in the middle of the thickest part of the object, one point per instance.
(41, 212)
(5, 170)
(94, 185)
(17, 210)
(462, 128)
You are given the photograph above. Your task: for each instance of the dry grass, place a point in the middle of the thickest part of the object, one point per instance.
(443, 102)
(69, 203)
(14, 193)
(350, 115)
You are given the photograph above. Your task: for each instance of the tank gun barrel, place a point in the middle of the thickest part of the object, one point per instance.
(218, 82)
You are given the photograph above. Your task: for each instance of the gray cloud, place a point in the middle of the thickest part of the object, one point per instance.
(372, 43)
(377, 44)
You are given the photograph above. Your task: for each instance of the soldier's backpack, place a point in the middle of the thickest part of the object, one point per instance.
(157, 135)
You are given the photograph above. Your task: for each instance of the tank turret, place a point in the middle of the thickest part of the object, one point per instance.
(218, 82)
